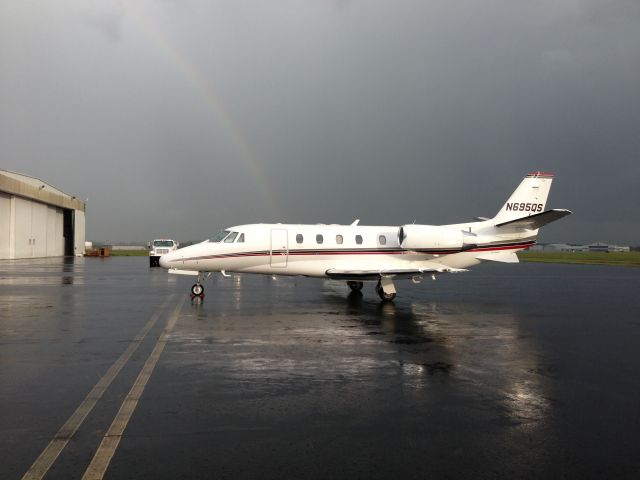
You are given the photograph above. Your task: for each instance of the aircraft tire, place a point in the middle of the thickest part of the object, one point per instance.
(355, 286)
(197, 290)
(386, 297)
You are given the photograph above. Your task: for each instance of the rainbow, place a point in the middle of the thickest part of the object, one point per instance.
(207, 90)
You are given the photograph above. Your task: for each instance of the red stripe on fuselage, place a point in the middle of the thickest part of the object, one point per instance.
(315, 253)
(507, 247)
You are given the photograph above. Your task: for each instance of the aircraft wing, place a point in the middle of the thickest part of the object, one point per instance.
(376, 274)
(533, 222)
(499, 256)
(176, 271)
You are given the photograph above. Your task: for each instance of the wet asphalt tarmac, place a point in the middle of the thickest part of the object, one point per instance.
(518, 371)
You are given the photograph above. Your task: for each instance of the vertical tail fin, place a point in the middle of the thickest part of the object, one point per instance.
(529, 198)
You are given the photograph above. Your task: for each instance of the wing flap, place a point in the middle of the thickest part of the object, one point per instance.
(399, 272)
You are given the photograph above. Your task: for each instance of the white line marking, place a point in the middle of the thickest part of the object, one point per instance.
(44, 461)
(111, 439)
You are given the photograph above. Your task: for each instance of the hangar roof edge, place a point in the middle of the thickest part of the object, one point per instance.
(36, 189)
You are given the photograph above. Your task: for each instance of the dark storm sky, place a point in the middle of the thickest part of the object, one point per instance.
(178, 118)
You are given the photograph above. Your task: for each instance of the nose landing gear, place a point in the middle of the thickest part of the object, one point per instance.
(197, 290)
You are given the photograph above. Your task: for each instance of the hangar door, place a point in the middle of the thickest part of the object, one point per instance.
(67, 232)
(5, 225)
(38, 230)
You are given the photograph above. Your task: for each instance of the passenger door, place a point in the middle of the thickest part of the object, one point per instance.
(279, 248)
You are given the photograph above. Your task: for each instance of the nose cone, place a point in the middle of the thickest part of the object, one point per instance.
(165, 260)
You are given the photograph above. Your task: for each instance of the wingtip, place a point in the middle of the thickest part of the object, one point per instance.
(563, 210)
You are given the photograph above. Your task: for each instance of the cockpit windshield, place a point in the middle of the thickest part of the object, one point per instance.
(231, 237)
(220, 236)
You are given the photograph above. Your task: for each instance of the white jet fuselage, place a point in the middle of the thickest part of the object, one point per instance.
(313, 250)
(357, 253)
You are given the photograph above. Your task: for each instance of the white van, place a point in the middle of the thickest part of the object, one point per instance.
(159, 247)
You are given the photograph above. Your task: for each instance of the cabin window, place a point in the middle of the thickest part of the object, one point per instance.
(382, 239)
(232, 236)
(241, 238)
(359, 239)
(319, 238)
(299, 238)
(339, 239)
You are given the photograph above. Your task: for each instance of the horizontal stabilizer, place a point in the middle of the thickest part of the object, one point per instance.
(176, 271)
(499, 256)
(533, 222)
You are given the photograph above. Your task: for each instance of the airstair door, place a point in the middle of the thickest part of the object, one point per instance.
(279, 248)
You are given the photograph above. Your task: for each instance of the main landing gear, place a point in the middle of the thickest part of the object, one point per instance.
(385, 289)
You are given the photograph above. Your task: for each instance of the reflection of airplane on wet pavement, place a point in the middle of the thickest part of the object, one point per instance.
(356, 253)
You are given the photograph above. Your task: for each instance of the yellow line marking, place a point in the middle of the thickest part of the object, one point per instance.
(111, 439)
(48, 456)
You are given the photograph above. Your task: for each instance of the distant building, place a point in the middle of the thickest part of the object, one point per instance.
(593, 247)
(562, 247)
(38, 220)
(604, 247)
(598, 247)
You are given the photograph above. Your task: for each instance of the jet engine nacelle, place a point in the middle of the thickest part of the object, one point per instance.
(417, 237)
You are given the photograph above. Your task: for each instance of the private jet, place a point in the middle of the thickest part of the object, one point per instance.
(355, 253)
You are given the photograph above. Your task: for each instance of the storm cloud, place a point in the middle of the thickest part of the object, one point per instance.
(178, 118)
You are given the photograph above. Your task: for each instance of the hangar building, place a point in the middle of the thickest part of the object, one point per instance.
(38, 220)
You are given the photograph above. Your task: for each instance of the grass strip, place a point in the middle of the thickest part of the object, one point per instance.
(129, 253)
(623, 259)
